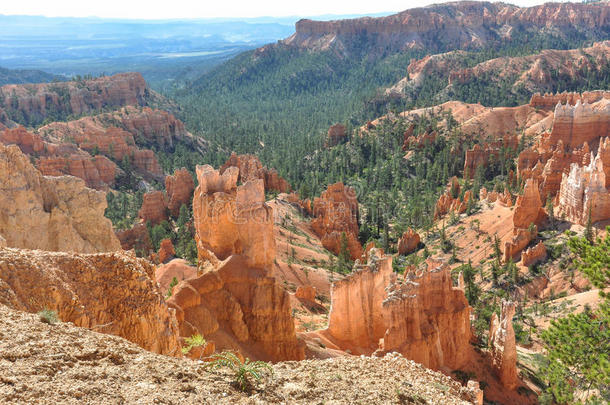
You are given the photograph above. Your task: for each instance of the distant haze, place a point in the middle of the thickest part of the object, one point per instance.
(139, 9)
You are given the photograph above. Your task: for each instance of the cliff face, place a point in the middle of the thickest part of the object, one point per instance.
(421, 316)
(236, 303)
(110, 293)
(528, 213)
(179, 188)
(32, 103)
(336, 212)
(460, 24)
(50, 213)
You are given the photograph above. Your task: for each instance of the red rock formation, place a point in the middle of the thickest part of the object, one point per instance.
(179, 188)
(408, 242)
(35, 101)
(549, 101)
(110, 293)
(166, 251)
(422, 317)
(336, 212)
(336, 134)
(503, 347)
(176, 268)
(521, 238)
(236, 303)
(480, 155)
(306, 292)
(50, 213)
(584, 193)
(411, 142)
(420, 27)
(528, 207)
(250, 168)
(135, 238)
(154, 208)
(154, 126)
(534, 254)
(446, 203)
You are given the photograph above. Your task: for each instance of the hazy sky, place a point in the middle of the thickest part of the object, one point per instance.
(162, 9)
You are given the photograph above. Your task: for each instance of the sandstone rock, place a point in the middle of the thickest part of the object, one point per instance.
(408, 242)
(36, 101)
(422, 317)
(250, 168)
(50, 213)
(534, 254)
(447, 203)
(179, 188)
(336, 134)
(583, 192)
(135, 238)
(528, 207)
(550, 101)
(480, 155)
(109, 292)
(154, 208)
(503, 347)
(521, 238)
(176, 268)
(166, 250)
(336, 212)
(306, 292)
(235, 303)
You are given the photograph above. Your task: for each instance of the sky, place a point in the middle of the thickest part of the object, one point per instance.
(157, 9)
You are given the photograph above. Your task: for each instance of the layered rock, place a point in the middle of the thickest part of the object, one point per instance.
(135, 238)
(50, 213)
(527, 216)
(336, 134)
(179, 188)
(422, 316)
(108, 292)
(583, 193)
(549, 101)
(235, 302)
(534, 254)
(480, 155)
(154, 208)
(502, 345)
(336, 213)
(408, 242)
(250, 168)
(34, 102)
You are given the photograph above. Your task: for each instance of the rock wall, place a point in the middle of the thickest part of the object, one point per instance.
(50, 213)
(447, 203)
(154, 208)
(534, 254)
(527, 217)
(421, 316)
(236, 303)
(110, 293)
(502, 345)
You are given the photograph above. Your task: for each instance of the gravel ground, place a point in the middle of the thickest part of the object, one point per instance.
(63, 364)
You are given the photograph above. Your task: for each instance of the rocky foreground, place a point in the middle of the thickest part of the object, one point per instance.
(61, 363)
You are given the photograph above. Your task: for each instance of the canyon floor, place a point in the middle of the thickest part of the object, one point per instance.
(61, 363)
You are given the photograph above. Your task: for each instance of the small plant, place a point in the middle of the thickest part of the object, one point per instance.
(242, 370)
(194, 341)
(48, 316)
(172, 284)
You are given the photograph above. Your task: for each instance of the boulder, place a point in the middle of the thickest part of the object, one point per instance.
(176, 268)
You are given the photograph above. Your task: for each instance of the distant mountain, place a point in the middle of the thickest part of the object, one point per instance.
(19, 76)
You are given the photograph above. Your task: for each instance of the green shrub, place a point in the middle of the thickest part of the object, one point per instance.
(242, 371)
(48, 316)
